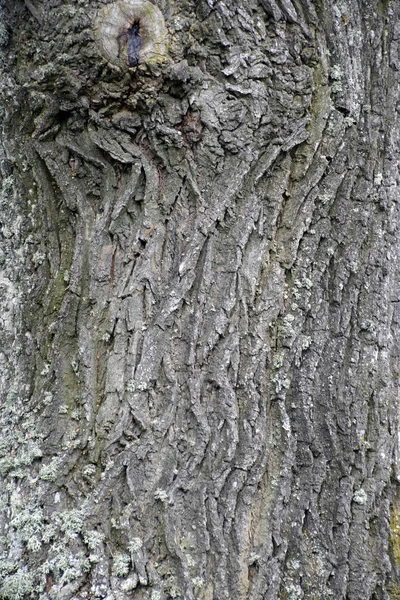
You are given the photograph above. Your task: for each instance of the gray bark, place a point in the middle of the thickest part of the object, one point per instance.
(200, 288)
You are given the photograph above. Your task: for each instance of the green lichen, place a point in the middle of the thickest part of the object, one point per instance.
(394, 591)
(395, 532)
(394, 588)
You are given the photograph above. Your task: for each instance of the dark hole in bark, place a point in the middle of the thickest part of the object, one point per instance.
(134, 44)
(132, 38)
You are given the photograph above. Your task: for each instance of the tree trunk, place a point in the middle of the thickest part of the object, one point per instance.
(199, 285)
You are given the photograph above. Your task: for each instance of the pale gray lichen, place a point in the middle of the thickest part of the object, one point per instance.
(131, 385)
(135, 544)
(17, 585)
(360, 497)
(198, 582)
(28, 522)
(72, 522)
(4, 37)
(130, 583)
(49, 472)
(116, 18)
(89, 470)
(93, 539)
(160, 494)
(336, 74)
(121, 565)
(34, 544)
(286, 329)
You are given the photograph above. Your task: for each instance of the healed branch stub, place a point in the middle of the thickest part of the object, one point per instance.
(132, 32)
(134, 44)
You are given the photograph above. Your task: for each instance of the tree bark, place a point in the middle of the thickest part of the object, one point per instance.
(199, 279)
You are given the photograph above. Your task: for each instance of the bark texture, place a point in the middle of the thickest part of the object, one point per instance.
(199, 279)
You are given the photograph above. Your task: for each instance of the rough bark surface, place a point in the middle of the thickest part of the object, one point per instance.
(199, 279)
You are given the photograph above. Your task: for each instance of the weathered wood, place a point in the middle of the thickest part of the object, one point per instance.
(199, 281)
